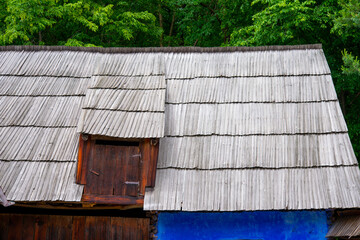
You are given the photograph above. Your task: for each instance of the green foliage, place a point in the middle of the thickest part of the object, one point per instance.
(351, 65)
(347, 20)
(284, 22)
(209, 22)
(348, 87)
(74, 23)
(26, 18)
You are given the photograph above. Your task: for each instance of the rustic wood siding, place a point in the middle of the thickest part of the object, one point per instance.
(39, 227)
(114, 170)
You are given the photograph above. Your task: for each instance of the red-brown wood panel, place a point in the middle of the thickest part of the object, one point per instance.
(90, 228)
(41, 225)
(117, 225)
(21, 226)
(132, 180)
(105, 158)
(59, 227)
(95, 171)
(110, 168)
(137, 228)
(79, 228)
(4, 226)
(102, 226)
(114, 170)
(28, 230)
(84, 154)
(15, 227)
(121, 169)
(149, 151)
(154, 152)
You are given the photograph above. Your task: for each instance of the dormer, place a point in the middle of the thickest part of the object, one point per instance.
(121, 123)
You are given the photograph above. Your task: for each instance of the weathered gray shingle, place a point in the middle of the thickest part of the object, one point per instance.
(127, 98)
(240, 128)
(255, 189)
(259, 130)
(345, 227)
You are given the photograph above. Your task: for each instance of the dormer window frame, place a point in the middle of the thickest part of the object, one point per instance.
(148, 154)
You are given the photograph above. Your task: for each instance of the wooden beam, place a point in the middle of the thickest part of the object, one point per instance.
(154, 152)
(85, 146)
(80, 161)
(145, 166)
(112, 199)
(149, 151)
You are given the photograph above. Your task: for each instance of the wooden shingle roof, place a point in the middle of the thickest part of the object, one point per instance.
(240, 128)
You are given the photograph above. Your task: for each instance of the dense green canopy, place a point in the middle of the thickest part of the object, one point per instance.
(207, 23)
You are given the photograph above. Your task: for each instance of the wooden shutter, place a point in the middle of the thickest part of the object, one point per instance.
(116, 172)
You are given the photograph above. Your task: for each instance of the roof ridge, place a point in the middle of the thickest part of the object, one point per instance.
(160, 49)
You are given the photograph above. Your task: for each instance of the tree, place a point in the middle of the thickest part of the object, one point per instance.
(76, 23)
(286, 22)
(347, 28)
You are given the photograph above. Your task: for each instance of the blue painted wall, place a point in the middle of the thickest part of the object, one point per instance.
(243, 225)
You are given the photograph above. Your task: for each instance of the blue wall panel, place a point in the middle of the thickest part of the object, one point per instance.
(243, 225)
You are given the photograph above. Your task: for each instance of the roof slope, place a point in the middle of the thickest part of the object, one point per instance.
(241, 128)
(126, 97)
(41, 94)
(257, 130)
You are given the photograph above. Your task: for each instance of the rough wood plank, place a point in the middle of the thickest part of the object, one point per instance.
(120, 169)
(109, 166)
(133, 171)
(117, 227)
(4, 226)
(52, 231)
(28, 230)
(84, 155)
(15, 227)
(78, 231)
(113, 199)
(94, 170)
(136, 228)
(144, 224)
(41, 225)
(79, 170)
(150, 151)
(154, 152)
(145, 155)
(102, 224)
(90, 228)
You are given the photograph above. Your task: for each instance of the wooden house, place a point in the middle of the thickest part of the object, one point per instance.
(173, 143)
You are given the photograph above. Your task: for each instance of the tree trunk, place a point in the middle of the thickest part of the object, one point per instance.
(161, 25)
(342, 102)
(171, 28)
(40, 37)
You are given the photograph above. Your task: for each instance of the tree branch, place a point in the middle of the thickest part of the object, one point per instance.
(211, 10)
(161, 26)
(171, 28)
